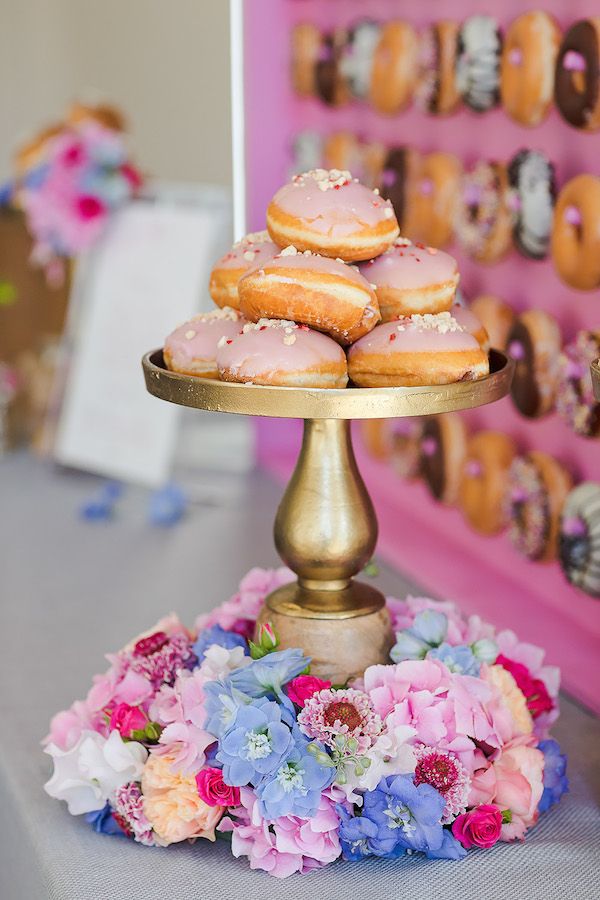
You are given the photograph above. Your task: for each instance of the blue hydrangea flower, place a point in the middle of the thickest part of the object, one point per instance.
(102, 821)
(266, 677)
(255, 744)
(357, 835)
(556, 782)
(295, 788)
(428, 629)
(221, 704)
(408, 816)
(459, 659)
(218, 635)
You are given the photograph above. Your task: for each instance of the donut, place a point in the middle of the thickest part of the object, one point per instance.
(406, 438)
(417, 350)
(305, 51)
(577, 75)
(254, 249)
(329, 212)
(412, 278)
(483, 480)
(536, 491)
(576, 233)
(192, 348)
(434, 197)
(398, 170)
(377, 438)
(478, 63)
(313, 290)
(357, 57)
(534, 343)
(579, 538)
(277, 352)
(443, 448)
(436, 91)
(497, 318)
(467, 319)
(330, 84)
(532, 195)
(484, 220)
(307, 151)
(527, 67)
(394, 71)
(575, 401)
(342, 151)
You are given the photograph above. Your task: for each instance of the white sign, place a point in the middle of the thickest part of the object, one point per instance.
(148, 274)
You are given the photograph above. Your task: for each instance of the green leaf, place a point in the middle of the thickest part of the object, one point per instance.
(506, 816)
(371, 570)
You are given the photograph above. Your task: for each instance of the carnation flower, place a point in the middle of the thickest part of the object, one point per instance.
(289, 843)
(348, 712)
(172, 805)
(444, 772)
(534, 691)
(532, 658)
(512, 696)
(128, 813)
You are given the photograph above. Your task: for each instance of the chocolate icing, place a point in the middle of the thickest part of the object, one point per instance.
(433, 469)
(328, 76)
(395, 166)
(524, 390)
(574, 105)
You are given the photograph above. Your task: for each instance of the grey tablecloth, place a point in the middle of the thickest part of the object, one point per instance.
(71, 591)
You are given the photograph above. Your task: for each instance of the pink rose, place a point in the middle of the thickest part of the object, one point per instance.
(480, 827)
(213, 790)
(300, 689)
(125, 719)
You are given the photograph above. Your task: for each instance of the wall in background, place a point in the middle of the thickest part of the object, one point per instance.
(166, 65)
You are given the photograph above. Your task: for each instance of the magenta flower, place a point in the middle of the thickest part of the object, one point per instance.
(444, 772)
(241, 611)
(125, 719)
(213, 790)
(128, 806)
(300, 689)
(480, 827)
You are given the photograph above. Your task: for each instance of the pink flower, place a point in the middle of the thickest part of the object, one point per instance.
(128, 805)
(125, 719)
(532, 658)
(349, 712)
(213, 790)
(444, 772)
(536, 694)
(304, 686)
(288, 844)
(67, 726)
(480, 827)
(70, 152)
(90, 207)
(241, 611)
(181, 710)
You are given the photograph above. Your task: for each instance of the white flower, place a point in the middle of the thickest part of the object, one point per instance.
(218, 662)
(86, 775)
(391, 754)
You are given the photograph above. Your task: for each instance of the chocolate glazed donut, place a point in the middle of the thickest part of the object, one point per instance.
(443, 449)
(534, 344)
(397, 174)
(329, 81)
(577, 76)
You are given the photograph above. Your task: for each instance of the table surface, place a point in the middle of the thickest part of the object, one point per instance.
(71, 591)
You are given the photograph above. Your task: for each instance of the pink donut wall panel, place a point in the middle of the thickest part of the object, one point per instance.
(432, 543)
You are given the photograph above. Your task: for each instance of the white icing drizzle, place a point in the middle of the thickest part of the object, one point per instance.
(478, 66)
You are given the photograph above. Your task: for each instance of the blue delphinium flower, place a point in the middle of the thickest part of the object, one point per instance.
(450, 848)
(222, 701)
(357, 834)
(556, 782)
(266, 677)
(218, 635)
(459, 659)
(167, 505)
(408, 816)
(102, 821)
(295, 787)
(255, 744)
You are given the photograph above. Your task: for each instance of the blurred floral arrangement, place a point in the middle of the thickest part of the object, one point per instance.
(68, 180)
(190, 734)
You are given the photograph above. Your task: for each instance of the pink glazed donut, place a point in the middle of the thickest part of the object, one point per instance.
(192, 348)
(412, 279)
(277, 352)
(252, 250)
(472, 324)
(331, 213)
(417, 350)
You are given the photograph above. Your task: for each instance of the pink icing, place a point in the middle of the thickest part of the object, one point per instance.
(408, 336)
(516, 350)
(316, 263)
(574, 61)
(258, 244)
(473, 468)
(573, 216)
(466, 318)
(409, 266)
(426, 186)
(429, 446)
(265, 349)
(515, 56)
(336, 212)
(208, 329)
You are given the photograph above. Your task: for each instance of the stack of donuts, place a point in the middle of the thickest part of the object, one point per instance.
(330, 293)
(487, 207)
(498, 488)
(450, 64)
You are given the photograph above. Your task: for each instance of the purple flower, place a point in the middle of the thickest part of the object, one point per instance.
(556, 782)
(218, 635)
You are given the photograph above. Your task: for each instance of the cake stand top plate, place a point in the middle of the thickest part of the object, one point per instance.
(596, 378)
(319, 403)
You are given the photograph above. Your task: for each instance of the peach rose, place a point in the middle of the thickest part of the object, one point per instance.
(512, 697)
(519, 786)
(172, 805)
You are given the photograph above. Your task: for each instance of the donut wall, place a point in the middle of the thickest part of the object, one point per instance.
(468, 555)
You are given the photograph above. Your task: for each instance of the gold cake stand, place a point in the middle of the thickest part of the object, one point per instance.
(325, 527)
(595, 370)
